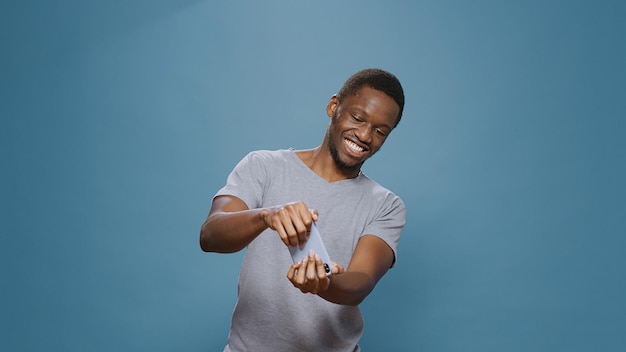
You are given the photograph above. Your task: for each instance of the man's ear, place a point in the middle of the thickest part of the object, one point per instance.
(332, 106)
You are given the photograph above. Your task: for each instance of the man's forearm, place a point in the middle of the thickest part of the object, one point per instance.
(348, 288)
(228, 232)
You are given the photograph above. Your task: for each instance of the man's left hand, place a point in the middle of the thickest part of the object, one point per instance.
(309, 275)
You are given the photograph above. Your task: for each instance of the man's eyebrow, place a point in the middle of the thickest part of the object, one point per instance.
(358, 110)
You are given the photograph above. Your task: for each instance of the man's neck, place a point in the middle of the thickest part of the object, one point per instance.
(320, 161)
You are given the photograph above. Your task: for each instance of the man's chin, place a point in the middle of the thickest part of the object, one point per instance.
(349, 167)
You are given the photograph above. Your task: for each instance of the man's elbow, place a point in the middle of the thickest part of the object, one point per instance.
(360, 297)
(206, 243)
(212, 242)
(203, 242)
(354, 301)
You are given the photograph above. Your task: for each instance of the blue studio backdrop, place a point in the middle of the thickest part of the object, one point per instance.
(120, 119)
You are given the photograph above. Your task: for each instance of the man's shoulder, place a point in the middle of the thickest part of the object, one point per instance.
(379, 191)
(266, 153)
(269, 160)
(265, 156)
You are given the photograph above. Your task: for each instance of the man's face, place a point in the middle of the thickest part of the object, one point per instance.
(359, 126)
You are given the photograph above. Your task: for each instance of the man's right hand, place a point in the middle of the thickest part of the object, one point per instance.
(292, 221)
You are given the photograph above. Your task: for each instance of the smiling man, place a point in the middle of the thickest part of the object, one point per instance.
(270, 201)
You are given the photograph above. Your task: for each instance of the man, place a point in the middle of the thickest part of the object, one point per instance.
(270, 201)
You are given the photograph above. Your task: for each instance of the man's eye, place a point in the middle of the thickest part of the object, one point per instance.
(381, 132)
(356, 118)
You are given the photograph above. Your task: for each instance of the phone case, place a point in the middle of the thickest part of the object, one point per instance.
(314, 243)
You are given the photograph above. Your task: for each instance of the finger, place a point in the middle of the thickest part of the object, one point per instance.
(301, 231)
(292, 271)
(324, 284)
(321, 268)
(302, 222)
(314, 214)
(337, 268)
(300, 275)
(286, 221)
(282, 233)
(311, 273)
(322, 276)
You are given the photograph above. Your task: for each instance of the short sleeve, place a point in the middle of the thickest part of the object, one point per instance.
(246, 181)
(389, 222)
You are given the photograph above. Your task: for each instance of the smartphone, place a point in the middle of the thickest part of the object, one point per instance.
(314, 243)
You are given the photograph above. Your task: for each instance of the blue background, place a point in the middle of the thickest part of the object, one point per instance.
(120, 120)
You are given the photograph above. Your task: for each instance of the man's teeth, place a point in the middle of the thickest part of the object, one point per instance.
(353, 146)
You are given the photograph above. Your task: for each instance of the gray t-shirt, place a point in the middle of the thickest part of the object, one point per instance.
(271, 315)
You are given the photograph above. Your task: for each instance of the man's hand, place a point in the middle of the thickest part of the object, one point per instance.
(292, 221)
(309, 275)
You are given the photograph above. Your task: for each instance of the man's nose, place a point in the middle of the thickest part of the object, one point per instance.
(364, 133)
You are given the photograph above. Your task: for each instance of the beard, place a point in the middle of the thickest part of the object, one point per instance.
(332, 147)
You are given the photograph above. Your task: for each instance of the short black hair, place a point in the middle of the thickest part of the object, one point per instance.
(377, 79)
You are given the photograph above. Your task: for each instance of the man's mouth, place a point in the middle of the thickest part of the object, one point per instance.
(354, 147)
